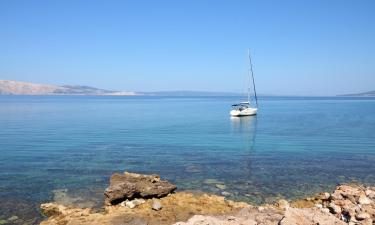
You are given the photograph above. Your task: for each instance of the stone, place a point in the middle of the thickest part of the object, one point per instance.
(231, 218)
(211, 181)
(323, 196)
(128, 186)
(282, 204)
(156, 205)
(221, 186)
(325, 210)
(294, 216)
(370, 193)
(334, 208)
(367, 222)
(225, 193)
(12, 218)
(362, 216)
(363, 200)
(130, 204)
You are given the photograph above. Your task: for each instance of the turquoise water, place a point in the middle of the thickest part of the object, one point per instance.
(69, 144)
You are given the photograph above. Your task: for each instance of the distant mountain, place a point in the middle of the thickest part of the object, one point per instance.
(364, 94)
(189, 93)
(9, 87)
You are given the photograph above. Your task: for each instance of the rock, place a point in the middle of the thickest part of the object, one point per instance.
(370, 193)
(130, 185)
(306, 216)
(211, 181)
(363, 200)
(132, 204)
(231, 218)
(221, 186)
(325, 210)
(156, 205)
(12, 218)
(225, 193)
(367, 222)
(334, 208)
(362, 216)
(282, 204)
(323, 196)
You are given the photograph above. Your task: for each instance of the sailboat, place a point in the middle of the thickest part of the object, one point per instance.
(245, 108)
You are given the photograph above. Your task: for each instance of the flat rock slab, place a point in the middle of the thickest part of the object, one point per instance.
(128, 186)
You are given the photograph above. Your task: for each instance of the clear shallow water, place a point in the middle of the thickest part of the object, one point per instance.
(294, 147)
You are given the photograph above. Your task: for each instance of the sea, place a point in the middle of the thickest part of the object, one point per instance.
(65, 148)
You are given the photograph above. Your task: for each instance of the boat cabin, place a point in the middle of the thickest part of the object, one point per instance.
(241, 106)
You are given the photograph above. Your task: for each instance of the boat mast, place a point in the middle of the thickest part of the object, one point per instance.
(252, 75)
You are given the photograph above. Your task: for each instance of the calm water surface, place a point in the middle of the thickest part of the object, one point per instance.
(64, 148)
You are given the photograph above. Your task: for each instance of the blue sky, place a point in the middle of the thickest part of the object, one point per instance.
(298, 47)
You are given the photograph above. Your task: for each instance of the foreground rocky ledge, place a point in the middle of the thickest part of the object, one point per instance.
(145, 199)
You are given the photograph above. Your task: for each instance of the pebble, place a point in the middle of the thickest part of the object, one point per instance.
(224, 193)
(156, 205)
(221, 186)
(132, 204)
(231, 218)
(13, 218)
(326, 210)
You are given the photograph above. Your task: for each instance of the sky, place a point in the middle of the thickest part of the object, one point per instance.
(308, 47)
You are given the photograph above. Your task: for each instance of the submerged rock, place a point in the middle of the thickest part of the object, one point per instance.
(131, 185)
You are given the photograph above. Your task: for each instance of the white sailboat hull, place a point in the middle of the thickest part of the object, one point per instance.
(244, 112)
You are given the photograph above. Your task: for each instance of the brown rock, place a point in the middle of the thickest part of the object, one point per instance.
(295, 216)
(131, 185)
(362, 216)
(334, 208)
(363, 200)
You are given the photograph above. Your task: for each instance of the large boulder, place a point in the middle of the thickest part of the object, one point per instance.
(128, 186)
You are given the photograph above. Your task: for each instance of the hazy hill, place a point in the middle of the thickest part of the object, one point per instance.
(364, 94)
(8, 87)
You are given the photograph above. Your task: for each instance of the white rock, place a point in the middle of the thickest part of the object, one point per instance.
(221, 186)
(282, 204)
(224, 193)
(326, 210)
(130, 204)
(156, 205)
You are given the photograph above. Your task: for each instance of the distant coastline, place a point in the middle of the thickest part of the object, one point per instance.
(363, 94)
(10, 87)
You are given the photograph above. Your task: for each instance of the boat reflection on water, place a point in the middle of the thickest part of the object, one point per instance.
(244, 125)
(246, 128)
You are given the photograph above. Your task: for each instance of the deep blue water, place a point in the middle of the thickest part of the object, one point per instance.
(294, 146)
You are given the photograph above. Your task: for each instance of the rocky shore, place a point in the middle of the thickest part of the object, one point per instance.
(147, 199)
